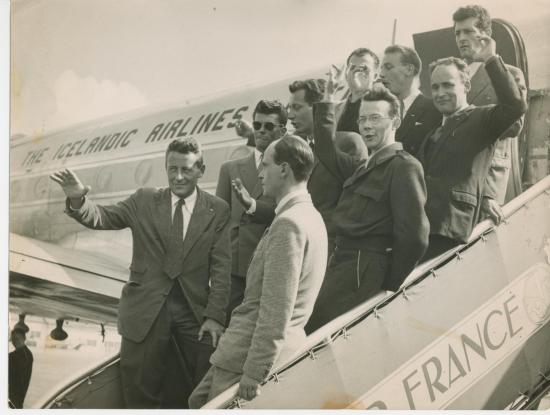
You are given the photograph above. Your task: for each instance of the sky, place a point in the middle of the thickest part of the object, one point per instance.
(75, 60)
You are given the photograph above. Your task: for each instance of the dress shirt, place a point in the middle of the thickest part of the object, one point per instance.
(258, 156)
(407, 102)
(187, 208)
(473, 67)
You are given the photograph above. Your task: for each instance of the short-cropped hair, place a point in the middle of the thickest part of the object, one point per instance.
(185, 146)
(314, 89)
(362, 52)
(381, 93)
(483, 18)
(271, 107)
(296, 152)
(453, 61)
(408, 56)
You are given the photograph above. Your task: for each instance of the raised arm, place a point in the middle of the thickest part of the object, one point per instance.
(89, 214)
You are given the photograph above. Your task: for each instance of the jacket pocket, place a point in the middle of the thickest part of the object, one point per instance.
(463, 211)
(363, 197)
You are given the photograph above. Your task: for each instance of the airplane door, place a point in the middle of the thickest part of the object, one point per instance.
(440, 43)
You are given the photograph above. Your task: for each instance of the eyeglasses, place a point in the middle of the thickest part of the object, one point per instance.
(373, 119)
(269, 126)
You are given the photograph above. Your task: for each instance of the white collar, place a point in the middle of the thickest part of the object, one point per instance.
(258, 156)
(473, 68)
(189, 200)
(287, 198)
(407, 102)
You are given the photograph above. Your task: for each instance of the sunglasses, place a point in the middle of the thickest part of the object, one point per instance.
(269, 126)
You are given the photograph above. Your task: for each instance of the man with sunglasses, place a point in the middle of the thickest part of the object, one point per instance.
(238, 185)
(381, 226)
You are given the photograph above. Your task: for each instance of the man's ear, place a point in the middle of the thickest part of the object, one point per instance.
(202, 169)
(467, 86)
(396, 122)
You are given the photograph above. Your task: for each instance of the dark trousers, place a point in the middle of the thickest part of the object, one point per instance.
(238, 284)
(353, 276)
(437, 245)
(144, 365)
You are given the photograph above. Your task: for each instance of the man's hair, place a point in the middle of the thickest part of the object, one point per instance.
(453, 61)
(483, 18)
(185, 146)
(296, 152)
(314, 89)
(362, 52)
(408, 56)
(271, 107)
(381, 93)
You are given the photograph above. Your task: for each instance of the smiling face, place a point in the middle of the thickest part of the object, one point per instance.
(467, 38)
(300, 113)
(183, 172)
(376, 126)
(264, 137)
(448, 89)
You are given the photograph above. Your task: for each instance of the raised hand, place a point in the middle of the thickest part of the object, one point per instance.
(242, 194)
(487, 48)
(358, 80)
(71, 184)
(335, 77)
(243, 129)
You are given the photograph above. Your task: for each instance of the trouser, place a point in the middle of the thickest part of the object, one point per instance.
(143, 365)
(437, 245)
(353, 276)
(214, 382)
(238, 284)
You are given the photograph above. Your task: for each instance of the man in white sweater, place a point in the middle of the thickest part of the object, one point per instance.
(282, 282)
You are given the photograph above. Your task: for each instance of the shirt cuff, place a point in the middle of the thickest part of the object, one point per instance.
(252, 209)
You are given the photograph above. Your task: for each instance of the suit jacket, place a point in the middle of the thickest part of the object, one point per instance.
(205, 278)
(325, 189)
(383, 200)
(347, 113)
(419, 120)
(457, 164)
(282, 283)
(246, 230)
(483, 93)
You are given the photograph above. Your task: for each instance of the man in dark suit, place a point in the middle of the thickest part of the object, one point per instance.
(19, 369)
(380, 224)
(180, 273)
(361, 71)
(323, 186)
(399, 73)
(457, 155)
(239, 186)
(470, 22)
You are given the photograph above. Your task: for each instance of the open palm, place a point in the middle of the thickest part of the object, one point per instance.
(70, 183)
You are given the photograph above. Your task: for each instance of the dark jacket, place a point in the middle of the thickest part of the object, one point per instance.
(19, 375)
(206, 256)
(457, 164)
(383, 201)
(246, 230)
(419, 120)
(483, 93)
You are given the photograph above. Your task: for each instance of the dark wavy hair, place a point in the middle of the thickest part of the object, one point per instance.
(296, 152)
(271, 107)
(483, 18)
(185, 146)
(381, 93)
(408, 56)
(314, 89)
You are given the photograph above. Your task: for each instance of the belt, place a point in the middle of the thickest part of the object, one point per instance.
(379, 244)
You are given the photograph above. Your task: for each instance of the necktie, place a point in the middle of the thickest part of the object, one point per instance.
(260, 166)
(402, 109)
(173, 260)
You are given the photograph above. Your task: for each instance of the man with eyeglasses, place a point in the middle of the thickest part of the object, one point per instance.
(399, 72)
(381, 226)
(239, 185)
(361, 71)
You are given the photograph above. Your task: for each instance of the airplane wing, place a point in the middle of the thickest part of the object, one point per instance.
(52, 281)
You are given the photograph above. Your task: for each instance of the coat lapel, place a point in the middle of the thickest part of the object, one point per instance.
(449, 130)
(479, 83)
(163, 215)
(249, 174)
(377, 159)
(201, 217)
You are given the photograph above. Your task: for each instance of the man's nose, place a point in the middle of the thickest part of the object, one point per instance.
(180, 175)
